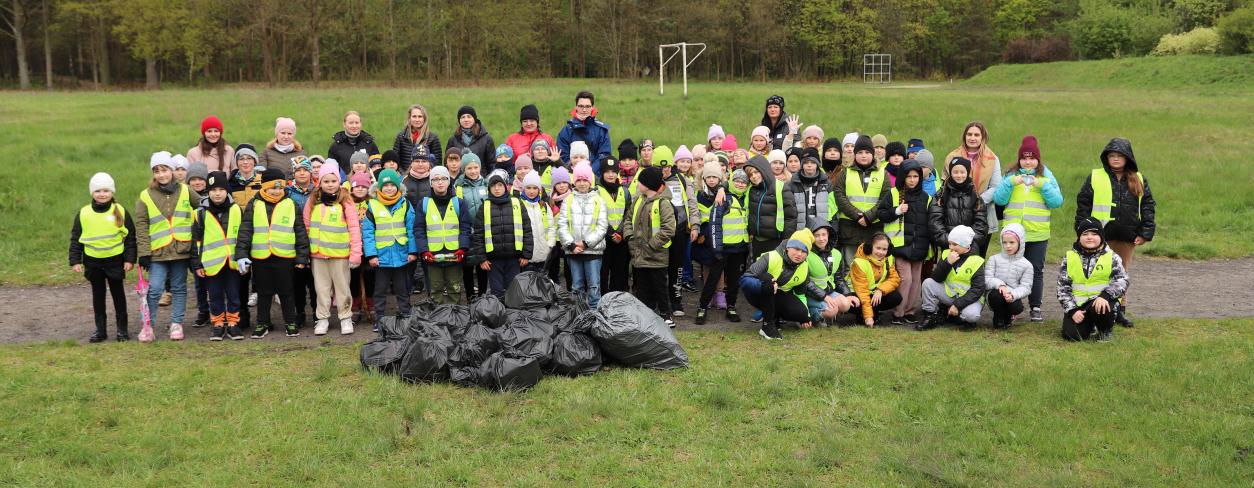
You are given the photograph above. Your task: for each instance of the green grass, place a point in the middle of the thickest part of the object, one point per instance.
(1196, 73)
(1192, 147)
(1167, 404)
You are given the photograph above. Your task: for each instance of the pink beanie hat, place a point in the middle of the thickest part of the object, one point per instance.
(761, 130)
(329, 169)
(523, 161)
(583, 171)
(284, 122)
(683, 153)
(360, 179)
(729, 144)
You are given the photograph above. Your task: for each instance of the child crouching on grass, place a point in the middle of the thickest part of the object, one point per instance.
(272, 243)
(214, 234)
(102, 247)
(1090, 283)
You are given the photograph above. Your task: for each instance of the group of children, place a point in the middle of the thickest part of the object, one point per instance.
(807, 231)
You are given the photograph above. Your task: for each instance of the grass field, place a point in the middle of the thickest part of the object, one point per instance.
(1197, 73)
(1192, 145)
(1167, 404)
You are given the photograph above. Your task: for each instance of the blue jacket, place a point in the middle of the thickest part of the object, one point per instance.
(393, 256)
(929, 185)
(1050, 191)
(463, 226)
(593, 132)
(298, 196)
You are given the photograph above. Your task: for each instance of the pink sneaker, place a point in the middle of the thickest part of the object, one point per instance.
(146, 335)
(720, 300)
(176, 332)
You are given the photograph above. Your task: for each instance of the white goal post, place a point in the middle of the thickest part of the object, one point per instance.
(679, 48)
(877, 68)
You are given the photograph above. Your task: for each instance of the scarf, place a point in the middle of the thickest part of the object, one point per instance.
(389, 201)
(557, 199)
(265, 195)
(611, 187)
(467, 136)
(169, 188)
(284, 148)
(352, 139)
(532, 200)
(329, 198)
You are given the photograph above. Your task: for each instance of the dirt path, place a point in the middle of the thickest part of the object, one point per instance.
(1161, 288)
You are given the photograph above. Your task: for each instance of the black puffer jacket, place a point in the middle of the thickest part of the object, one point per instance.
(763, 207)
(343, 147)
(404, 148)
(953, 206)
(482, 145)
(502, 231)
(1131, 219)
(917, 237)
(779, 130)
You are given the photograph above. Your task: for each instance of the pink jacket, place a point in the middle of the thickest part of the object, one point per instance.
(521, 143)
(354, 226)
(212, 160)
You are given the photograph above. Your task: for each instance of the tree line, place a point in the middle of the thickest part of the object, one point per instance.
(100, 43)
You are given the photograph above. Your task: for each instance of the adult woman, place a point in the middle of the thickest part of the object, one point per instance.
(471, 136)
(985, 173)
(284, 151)
(521, 142)
(417, 132)
(350, 140)
(212, 150)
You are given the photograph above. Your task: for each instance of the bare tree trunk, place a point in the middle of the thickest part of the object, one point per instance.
(102, 63)
(392, 42)
(313, 33)
(47, 47)
(150, 74)
(16, 28)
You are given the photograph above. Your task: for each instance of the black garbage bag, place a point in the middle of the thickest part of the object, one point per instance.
(531, 289)
(561, 317)
(507, 371)
(489, 310)
(391, 327)
(574, 354)
(463, 365)
(631, 334)
(385, 353)
(418, 327)
(478, 339)
(527, 337)
(426, 360)
(452, 317)
(583, 322)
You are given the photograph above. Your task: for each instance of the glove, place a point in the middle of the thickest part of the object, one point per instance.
(243, 264)
(428, 257)
(460, 255)
(145, 262)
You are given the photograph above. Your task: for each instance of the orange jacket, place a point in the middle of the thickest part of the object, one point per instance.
(860, 281)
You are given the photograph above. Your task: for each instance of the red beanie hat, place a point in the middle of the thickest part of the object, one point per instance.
(210, 122)
(1029, 148)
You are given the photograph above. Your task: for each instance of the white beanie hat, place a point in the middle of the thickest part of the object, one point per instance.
(440, 171)
(161, 158)
(776, 155)
(532, 179)
(579, 148)
(101, 181)
(962, 236)
(179, 161)
(850, 138)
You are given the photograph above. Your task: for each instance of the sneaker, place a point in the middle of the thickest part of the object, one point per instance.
(375, 327)
(98, 337)
(346, 327)
(720, 300)
(146, 335)
(1105, 336)
(910, 319)
(292, 330)
(689, 286)
(898, 320)
(217, 333)
(252, 299)
(201, 320)
(670, 323)
(732, 316)
(757, 316)
(260, 331)
(234, 333)
(677, 309)
(176, 332)
(1121, 318)
(930, 321)
(165, 300)
(321, 326)
(700, 320)
(770, 332)
(1035, 314)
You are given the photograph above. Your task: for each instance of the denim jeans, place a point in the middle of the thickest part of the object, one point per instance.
(176, 272)
(585, 277)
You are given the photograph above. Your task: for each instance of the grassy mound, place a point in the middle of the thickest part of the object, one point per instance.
(1206, 73)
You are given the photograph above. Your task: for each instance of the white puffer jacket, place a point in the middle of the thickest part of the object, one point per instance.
(1013, 271)
(584, 217)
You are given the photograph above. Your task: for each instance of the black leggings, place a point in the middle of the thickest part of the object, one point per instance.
(472, 276)
(113, 278)
(775, 306)
(1003, 310)
(1073, 331)
(730, 267)
(614, 266)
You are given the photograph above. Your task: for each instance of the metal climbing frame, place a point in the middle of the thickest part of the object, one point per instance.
(877, 68)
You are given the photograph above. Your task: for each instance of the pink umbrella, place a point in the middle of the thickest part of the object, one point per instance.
(141, 289)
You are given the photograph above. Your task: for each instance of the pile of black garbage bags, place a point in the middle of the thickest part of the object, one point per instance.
(510, 344)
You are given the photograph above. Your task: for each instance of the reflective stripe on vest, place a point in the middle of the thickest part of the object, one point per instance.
(1084, 288)
(163, 231)
(823, 271)
(775, 267)
(736, 222)
(614, 206)
(779, 206)
(488, 246)
(1027, 207)
(217, 247)
(863, 200)
(655, 218)
(1103, 195)
(896, 229)
(959, 279)
(275, 234)
(102, 235)
(865, 266)
(389, 226)
(442, 231)
(328, 231)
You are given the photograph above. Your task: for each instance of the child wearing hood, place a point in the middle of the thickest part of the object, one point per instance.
(540, 218)
(957, 282)
(501, 241)
(1008, 277)
(904, 212)
(875, 279)
(1029, 192)
(472, 189)
(215, 233)
(334, 248)
(957, 204)
(928, 162)
(616, 259)
(1090, 282)
(772, 208)
(103, 249)
(442, 232)
(581, 226)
